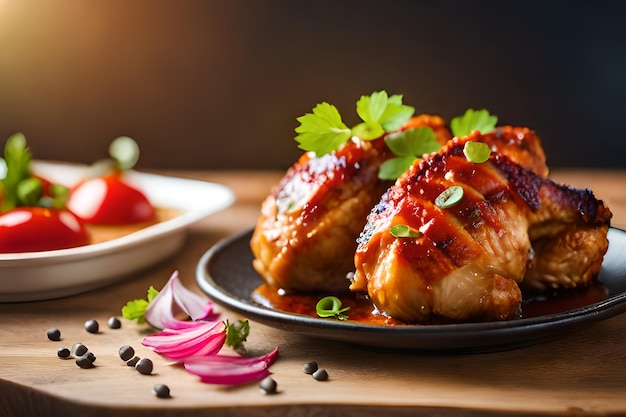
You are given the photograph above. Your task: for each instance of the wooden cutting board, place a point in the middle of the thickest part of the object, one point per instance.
(582, 373)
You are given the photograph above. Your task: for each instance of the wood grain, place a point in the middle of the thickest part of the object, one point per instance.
(582, 373)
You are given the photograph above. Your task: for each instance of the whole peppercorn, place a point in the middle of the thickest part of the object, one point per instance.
(132, 361)
(126, 352)
(92, 326)
(84, 362)
(268, 385)
(54, 334)
(320, 374)
(63, 353)
(114, 323)
(162, 391)
(144, 366)
(78, 349)
(90, 356)
(310, 367)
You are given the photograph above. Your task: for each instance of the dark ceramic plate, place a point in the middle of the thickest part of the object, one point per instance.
(225, 273)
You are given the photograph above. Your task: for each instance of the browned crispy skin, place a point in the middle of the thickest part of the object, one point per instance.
(306, 236)
(521, 144)
(470, 258)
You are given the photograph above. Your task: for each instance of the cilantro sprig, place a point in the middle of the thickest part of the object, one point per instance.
(236, 334)
(135, 310)
(471, 121)
(324, 131)
(19, 187)
(408, 145)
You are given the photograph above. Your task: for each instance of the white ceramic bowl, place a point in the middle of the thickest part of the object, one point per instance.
(51, 274)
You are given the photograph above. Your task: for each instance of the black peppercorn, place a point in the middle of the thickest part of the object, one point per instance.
(54, 334)
(162, 391)
(132, 361)
(320, 374)
(78, 349)
(126, 352)
(63, 353)
(114, 323)
(84, 362)
(92, 326)
(310, 367)
(268, 385)
(144, 366)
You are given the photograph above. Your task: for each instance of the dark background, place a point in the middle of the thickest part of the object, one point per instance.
(218, 84)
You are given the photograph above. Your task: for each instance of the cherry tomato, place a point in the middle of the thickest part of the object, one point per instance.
(33, 229)
(109, 200)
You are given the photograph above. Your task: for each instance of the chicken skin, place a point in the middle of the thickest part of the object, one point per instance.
(466, 262)
(305, 239)
(521, 144)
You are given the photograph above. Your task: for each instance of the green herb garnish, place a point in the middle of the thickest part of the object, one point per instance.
(125, 152)
(236, 334)
(380, 114)
(323, 130)
(449, 197)
(403, 230)
(19, 187)
(471, 121)
(477, 152)
(17, 159)
(331, 307)
(134, 310)
(408, 145)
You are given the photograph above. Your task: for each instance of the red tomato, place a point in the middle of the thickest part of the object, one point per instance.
(109, 200)
(33, 229)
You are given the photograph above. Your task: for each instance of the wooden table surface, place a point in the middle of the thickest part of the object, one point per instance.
(581, 373)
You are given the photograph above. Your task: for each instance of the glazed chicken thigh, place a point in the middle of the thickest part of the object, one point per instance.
(466, 262)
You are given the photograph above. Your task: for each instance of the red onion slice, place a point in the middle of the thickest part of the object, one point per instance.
(203, 338)
(230, 370)
(173, 300)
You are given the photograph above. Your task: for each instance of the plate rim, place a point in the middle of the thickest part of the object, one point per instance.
(225, 199)
(59, 273)
(613, 305)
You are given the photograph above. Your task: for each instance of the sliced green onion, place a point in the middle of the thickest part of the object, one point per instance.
(403, 230)
(449, 197)
(331, 307)
(477, 152)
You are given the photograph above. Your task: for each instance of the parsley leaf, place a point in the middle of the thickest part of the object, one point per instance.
(381, 113)
(134, 310)
(322, 131)
(17, 159)
(473, 120)
(236, 334)
(408, 145)
(19, 187)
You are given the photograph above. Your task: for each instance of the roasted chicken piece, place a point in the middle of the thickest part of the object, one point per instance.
(468, 260)
(521, 144)
(306, 236)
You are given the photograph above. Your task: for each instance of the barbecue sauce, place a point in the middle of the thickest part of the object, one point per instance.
(362, 310)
